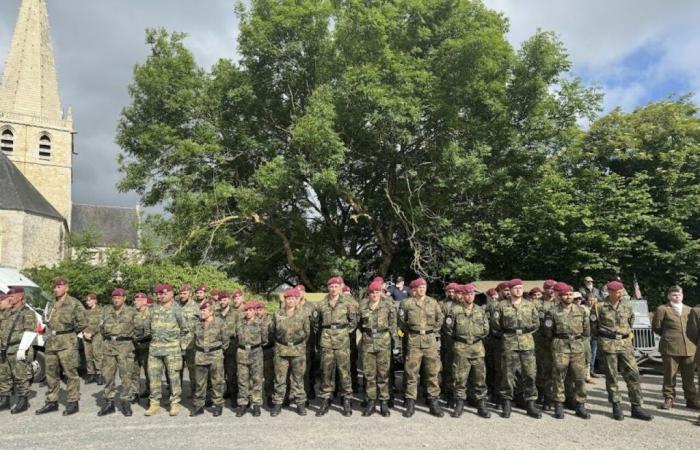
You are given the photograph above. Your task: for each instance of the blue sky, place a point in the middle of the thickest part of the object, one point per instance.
(636, 51)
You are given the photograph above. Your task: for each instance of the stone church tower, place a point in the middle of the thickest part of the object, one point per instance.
(35, 133)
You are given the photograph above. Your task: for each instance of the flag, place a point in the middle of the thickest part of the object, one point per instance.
(637, 291)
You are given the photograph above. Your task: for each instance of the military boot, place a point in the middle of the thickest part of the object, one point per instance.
(4, 402)
(540, 398)
(89, 378)
(639, 413)
(582, 412)
(71, 408)
(532, 410)
(301, 408)
(325, 406)
(384, 408)
(546, 404)
(369, 408)
(107, 408)
(145, 394)
(347, 407)
(126, 409)
(21, 405)
(558, 410)
(617, 411)
(47, 408)
(459, 408)
(482, 410)
(153, 409)
(256, 410)
(410, 407)
(507, 408)
(276, 410)
(197, 411)
(174, 409)
(435, 408)
(217, 410)
(240, 411)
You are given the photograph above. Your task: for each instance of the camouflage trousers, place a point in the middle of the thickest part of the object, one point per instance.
(124, 363)
(569, 371)
(213, 372)
(332, 359)
(231, 370)
(630, 373)
(188, 361)
(66, 361)
(376, 369)
(140, 362)
(16, 375)
(250, 376)
(93, 354)
(519, 373)
(470, 371)
(296, 367)
(429, 359)
(170, 364)
(543, 380)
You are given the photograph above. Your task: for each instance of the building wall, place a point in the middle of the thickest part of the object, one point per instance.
(27, 240)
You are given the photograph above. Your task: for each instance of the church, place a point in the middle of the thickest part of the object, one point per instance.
(37, 214)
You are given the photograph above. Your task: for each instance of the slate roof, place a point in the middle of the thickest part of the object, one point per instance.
(114, 225)
(18, 194)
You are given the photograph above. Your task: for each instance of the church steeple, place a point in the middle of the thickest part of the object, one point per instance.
(29, 85)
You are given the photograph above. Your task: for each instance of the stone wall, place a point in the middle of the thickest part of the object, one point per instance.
(27, 240)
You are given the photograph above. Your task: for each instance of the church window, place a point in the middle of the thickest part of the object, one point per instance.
(7, 140)
(44, 147)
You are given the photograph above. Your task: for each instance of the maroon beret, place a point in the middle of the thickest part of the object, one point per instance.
(346, 288)
(374, 287)
(149, 300)
(615, 286)
(468, 288)
(259, 305)
(201, 287)
(237, 292)
(503, 285)
(548, 284)
(418, 282)
(222, 294)
(294, 292)
(140, 295)
(492, 292)
(335, 280)
(561, 288)
(184, 287)
(118, 292)
(206, 304)
(60, 282)
(378, 280)
(451, 286)
(535, 290)
(249, 305)
(515, 282)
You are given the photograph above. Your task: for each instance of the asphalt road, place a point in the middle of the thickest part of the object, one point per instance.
(87, 431)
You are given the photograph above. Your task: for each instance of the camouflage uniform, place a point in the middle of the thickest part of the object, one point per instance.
(251, 335)
(210, 342)
(64, 321)
(334, 324)
(142, 342)
(118, 350)
(290, 334)
(230, 370)
(467, 328)
(421, 322)
(93, 346)
(190, 312)
(14, 373)
(378, 325)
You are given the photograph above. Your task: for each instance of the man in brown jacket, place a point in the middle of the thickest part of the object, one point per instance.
(694, 336)
(676, 347)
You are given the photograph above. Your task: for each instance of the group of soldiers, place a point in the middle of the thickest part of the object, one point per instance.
(519, 350)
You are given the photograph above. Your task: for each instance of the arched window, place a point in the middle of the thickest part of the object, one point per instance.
(7, 141)
(44, 147)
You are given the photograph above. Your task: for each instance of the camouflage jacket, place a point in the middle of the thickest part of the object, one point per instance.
(612, 326)
(170, 333)
(567, 327)
(118, 330)
(290, 332)
(142, 335)
(335, 323)
(229, 320)
(251, 335)
(420, 321)
(515, 324)
(207, 337)
(63, 322)
(24, 319)
(467, 329)
(378, 325)
(93, 317)
(190, 312)
(541, 335)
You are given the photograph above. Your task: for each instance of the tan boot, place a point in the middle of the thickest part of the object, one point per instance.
(153, 409)
(174, 409)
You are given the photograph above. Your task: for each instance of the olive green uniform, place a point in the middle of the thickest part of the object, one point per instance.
(117, 329)
(142, 342)
(467, 326)
(251, 335)
(290, 333)
(15, 374)
(378, 325)
(93, 346)
(211, 339)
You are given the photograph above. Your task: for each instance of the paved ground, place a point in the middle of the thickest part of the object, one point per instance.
(87, 431)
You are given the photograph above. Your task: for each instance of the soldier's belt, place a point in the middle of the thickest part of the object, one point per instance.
(569, 337)
(473, 340)
(617, 337)
(373, 331)
(290, 344)
(143, 340)
(421, 332)
(117, 338)
(207, 349)
(249, 347)
(59, 333)
(516, 332)
(334, 326)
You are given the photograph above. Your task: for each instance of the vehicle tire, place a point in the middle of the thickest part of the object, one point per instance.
(39, 367)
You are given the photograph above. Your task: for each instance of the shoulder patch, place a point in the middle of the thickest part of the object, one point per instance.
(449, 320)
(593, 317)
(496, 314)
(548, 323)
(314, 314)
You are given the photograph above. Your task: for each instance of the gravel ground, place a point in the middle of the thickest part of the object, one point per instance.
(87, 431)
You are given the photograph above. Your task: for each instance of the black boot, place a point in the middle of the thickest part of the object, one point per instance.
(126, 409)
(507, 408)
(384, 408)
(107, 408)
(256, 410)
(21, 405)
(482, 410)
(435, 408)
(347, 407)
(4, 402)
(89, 378)
(558, 410)
(240, 411)
(459, 408)
(197, 411)
(325, 406)
(540, 398)
(276, 410)
(639, 413)
(301, 408)
(582, 412)
(546, 404)
(369, 408)
(72, 408)
(47, 408)
(532, 410)
(410, 407)
(617, 412)
(570, 404)
(145, 394)
(216, 411)
(100, 380)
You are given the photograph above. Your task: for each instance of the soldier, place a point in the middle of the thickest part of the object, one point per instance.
(64, 318)
(142, 342)
(451, 298)
(170, 336)
(190, 311)
(268, 354)
(420, 319)
(92, 341)
(543, 348)
(201, 294)
(492, 345)
(567, 325)
(693, 333)
(17, 333)
(311, 346)
(335, 318)
(613, 327)
(290, 327)
(251, 335)
(468, 324)
(515, 320)
(211, 339)
(677, 349)
(117, 329)
(379, 334)
(229, 315)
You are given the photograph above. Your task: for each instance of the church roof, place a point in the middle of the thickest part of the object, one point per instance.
(113, 225)
(18, 194)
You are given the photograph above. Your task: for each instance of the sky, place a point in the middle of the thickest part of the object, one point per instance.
(636, 51)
